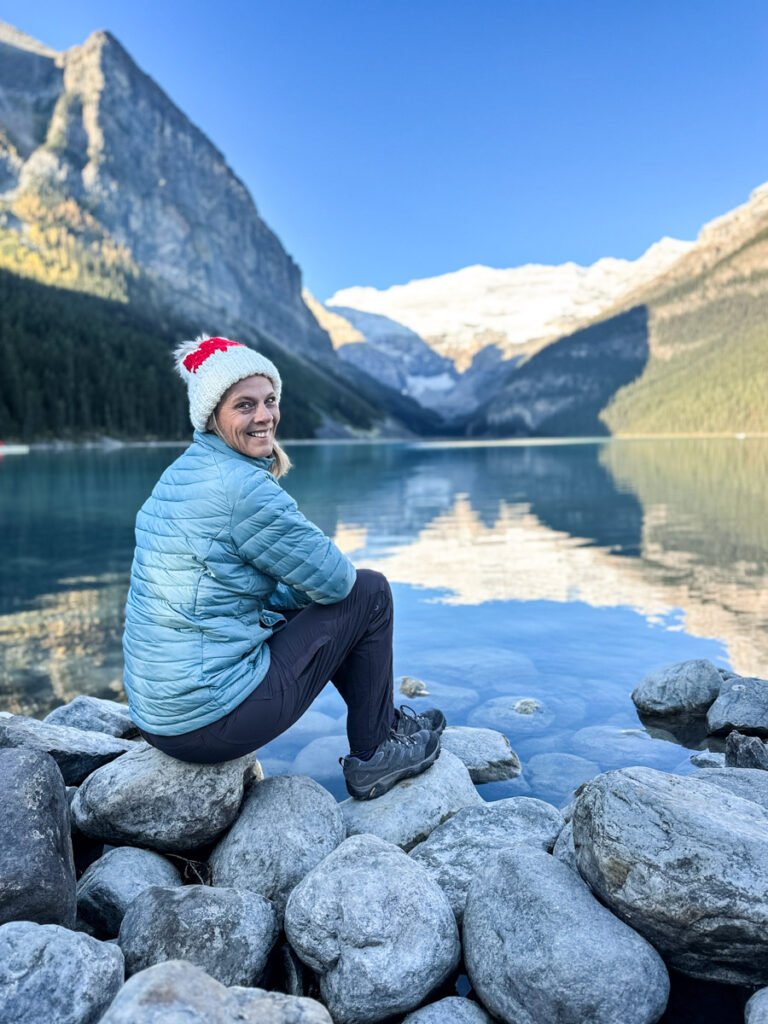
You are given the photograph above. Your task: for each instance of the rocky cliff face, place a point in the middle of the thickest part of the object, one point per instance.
(96, 163)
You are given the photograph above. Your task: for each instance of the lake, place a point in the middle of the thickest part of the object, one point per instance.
(562, 572)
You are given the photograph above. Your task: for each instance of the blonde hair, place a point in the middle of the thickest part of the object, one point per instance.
(281, 463)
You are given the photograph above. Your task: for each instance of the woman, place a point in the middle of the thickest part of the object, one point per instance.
(213, 668)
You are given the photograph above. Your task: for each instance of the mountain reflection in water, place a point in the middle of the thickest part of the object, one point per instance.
(633, 550)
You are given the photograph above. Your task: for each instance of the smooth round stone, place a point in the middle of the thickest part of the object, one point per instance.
(57, 976)
(37, 870)
(557, 775)
(538, 947)
(613, 747)
(95, 714)
(452, 1010)
(686, 687)
(320, 757)
(109, 886)
(376, 929)
(756, 1010)
(741, 705)
(485, 753)
(227, 933)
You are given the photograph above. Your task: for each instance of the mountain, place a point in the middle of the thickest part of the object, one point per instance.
(107, 188)
(516, 309)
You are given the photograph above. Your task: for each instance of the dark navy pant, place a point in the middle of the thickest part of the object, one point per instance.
(348, 643)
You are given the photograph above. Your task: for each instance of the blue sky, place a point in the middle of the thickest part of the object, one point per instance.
(385, 140)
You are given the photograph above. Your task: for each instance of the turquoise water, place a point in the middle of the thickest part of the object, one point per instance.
(562, 572)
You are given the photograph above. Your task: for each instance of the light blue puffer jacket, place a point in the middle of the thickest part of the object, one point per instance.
(220, 547)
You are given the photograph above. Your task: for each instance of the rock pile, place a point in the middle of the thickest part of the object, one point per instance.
(224, 897)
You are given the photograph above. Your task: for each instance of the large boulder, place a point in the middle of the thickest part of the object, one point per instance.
(539, 947)
(451, 1010)
(457, 851)
(37, 870)
(112, 883)
(375, 927)
(95, 714)
(286, 826)
(685, 688)
(227, 933)
(748, 783)
(684, 863)
(149, 799)
(413, 808)
(742, 705)
(485, 753)
(52, 974)
(178, 992)
(77, 753)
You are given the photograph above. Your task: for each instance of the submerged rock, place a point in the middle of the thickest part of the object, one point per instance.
(94, 714)
(742, 705)
(518, 715)
(685, 688)
(452, 1010)
(149, 799)
(227, 933)
(539, 947)
(410, 686)
(55, 975)
(408, 813)
(375, 927)
(485, 753)
(178, 991)
(37, 870)
(458, 851)
(286, 826)
(613, 747)
(557, 775)
(658, 850)
(113, 882)
(77, 753)
(745, 751)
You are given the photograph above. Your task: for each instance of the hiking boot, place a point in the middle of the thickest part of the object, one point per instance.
(409, 722)
(398, 757)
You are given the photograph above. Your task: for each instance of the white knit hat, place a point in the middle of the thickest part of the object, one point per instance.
(209, 366)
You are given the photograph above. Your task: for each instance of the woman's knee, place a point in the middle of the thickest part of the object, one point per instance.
(371, 582)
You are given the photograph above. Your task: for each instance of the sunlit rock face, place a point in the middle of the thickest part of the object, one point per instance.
(90, 145)
(460, 313)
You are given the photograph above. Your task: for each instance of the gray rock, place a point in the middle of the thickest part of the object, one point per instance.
(452, 1010)
(37, 870)
(55, 975)
(557, 775)
(375, 927)
(457, 851)
(227, 933)
(112, 883)
(286, 826)
(149, 799)
(756, 1010)
(538, 947)
(658, 850)
(613, 747)
(412, 687)
(94, 714)
(742, 705)
(77, 753)
(747, 783)
(564, 849)
(745, 751)
(178, 992)
(408, 813)
(485, 753)
(687, 687)
(708, 759)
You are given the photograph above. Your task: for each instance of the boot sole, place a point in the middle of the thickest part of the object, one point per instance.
(386, 782)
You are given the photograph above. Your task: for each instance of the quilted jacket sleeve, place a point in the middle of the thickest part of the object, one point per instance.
(269, 532)
(287, 599)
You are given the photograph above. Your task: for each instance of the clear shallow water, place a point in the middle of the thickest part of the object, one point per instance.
(558, 572)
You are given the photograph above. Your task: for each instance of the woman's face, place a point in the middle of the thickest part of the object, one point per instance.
(248, 415)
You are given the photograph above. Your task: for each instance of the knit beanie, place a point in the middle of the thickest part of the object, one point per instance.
(209, 366)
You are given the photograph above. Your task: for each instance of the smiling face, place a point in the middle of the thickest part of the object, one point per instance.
(247, 416)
